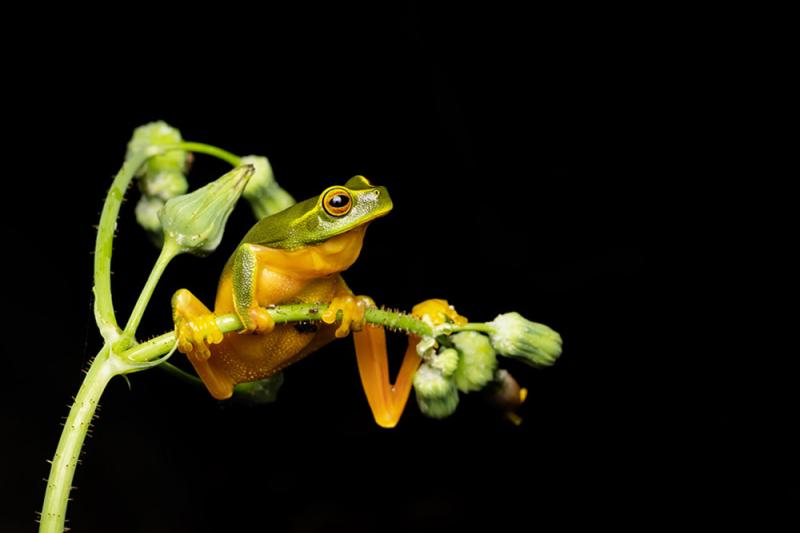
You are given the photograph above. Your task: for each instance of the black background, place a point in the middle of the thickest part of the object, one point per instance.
(538, 162)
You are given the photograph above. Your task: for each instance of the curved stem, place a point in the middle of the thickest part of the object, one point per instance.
(67, 454)
(103, 304)
(202, 148)
(168, 253)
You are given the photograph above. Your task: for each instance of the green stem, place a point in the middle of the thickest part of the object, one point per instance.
(474, 326)
(62, 468)
(103, 304)
(107, 364)
(202, 148)
(168, 253)
(154, 348)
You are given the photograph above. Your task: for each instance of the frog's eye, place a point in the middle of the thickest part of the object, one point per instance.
(337, 202)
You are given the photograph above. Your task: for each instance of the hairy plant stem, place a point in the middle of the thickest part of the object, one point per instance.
(161, 345)
(62, 468)
(107, 363)
(103, 304)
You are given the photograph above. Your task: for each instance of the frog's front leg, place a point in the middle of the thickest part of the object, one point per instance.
(245, 275)
(352, 307)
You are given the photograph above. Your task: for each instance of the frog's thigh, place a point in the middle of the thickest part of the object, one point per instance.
(249, 357)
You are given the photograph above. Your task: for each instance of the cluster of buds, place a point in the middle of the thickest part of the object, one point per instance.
(466, 361)
(163, 176)
(263, 193)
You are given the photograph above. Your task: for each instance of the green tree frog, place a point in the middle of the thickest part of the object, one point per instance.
(296, 256)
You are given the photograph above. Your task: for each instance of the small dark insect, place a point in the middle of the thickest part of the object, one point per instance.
(306, 327)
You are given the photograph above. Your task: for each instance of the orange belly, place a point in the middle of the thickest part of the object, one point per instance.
(248, 357)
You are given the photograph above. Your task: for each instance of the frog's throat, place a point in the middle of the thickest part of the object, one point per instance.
(328, 257)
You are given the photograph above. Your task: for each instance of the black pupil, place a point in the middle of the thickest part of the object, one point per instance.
(339, 201)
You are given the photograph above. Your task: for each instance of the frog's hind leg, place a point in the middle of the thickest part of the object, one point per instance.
(386, 400)
(198, 333)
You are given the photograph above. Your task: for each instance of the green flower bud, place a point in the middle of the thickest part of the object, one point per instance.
(147, 215)
(149, 139)
(164, 184)
(196, 221)
(477, 362)
(161, 177)
(437, 395)
(426, 347)
(261, 391)
(515, 336)
(446, 362)
(266, 197)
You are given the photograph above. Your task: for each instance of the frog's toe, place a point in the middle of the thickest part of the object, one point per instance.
(438, 312)
(353, 310)
(195, 335)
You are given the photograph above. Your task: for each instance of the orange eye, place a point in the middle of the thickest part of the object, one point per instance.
(337, 202)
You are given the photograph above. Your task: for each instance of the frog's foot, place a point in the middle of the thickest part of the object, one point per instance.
(256, 319)
(195, 325)
(353, 309)
(438, 312)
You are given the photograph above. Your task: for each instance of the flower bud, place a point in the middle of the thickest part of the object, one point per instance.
(445, 362)
(161, 177)
(266, 197)
(477, 362)
(147, 211)
(515, 336)
(437, 396)
(149, 139)
(505, 392)
(196, 221)
(426, 347)
(164, 184)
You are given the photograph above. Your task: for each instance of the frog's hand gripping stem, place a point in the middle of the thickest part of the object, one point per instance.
(386, 400)
(196, 329)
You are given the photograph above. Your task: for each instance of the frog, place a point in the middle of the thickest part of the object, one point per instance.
(296, 256)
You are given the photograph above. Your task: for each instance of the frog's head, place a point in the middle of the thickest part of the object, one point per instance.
(338, 210)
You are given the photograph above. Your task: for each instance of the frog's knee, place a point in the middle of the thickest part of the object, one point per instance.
(438, 312)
